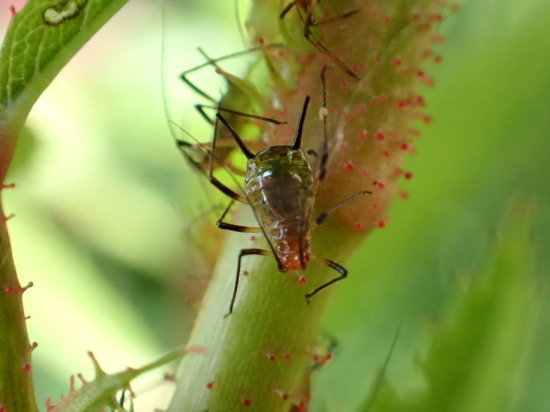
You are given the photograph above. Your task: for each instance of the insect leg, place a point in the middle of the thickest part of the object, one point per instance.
(212, 62)
(324, 153)
(333, 265)
(321, 218)
(200, 108)
(244, 252)
(235, 228)
(223, 188)
(331, 19)
(287, 9)
(246, 151)
(308, 21)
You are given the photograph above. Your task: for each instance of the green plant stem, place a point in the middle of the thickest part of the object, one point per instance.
(271, 334)
(16, 390)
(257, 358)
(35, 49)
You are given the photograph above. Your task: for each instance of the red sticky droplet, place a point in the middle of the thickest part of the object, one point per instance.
(4, 409)
(420, 101)
(380, 185)
(302, 406)
(246, 402)
(364, 173)
(402, 104)
(375, 206)
(397, 62)
(26, 367)
(198, 350)
(403, 195)
(209, 385)
(350, 166)
(420, 73)
(374, 103)
(361, 109)
(362, 134)
(8, 217)
(416, 16)
(381, 224)
(315, 358)
(380, 136)
(408, 175)
(272, 357)
(302, 280)
(10, 289)
(261, 40)
(344, 83)
(253, 238)
(13, 13)
(287, 356)
(386, 154)
(358, 226)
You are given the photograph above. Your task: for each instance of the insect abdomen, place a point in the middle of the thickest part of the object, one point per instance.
(279, 185)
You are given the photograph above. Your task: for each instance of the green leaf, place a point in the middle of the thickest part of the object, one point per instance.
(40, 40)
(472, 363)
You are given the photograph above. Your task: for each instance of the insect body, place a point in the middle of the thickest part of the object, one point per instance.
(280, 187)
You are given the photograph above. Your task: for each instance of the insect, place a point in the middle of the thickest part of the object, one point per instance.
(199, 158)
(305, 10)
(280, 187)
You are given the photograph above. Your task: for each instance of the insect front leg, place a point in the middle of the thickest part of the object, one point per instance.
(322, 216)
(235, 228)
(223, 188)
(244, 252)
(333, 265)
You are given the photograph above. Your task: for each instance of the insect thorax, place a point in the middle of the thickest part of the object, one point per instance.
(279, 185)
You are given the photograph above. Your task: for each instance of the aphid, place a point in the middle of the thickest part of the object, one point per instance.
(194, 152)
(305, 10)
(280, 187)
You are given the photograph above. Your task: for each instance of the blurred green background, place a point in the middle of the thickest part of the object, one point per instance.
(108, 216)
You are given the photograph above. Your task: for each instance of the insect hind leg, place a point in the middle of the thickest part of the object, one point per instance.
(333, 265)
(244, 252)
